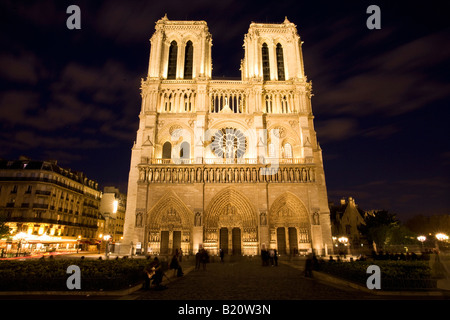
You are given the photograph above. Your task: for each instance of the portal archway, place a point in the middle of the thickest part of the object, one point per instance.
(169, 225)
(289, 224)
(231, 222)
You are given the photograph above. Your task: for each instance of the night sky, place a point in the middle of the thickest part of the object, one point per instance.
(381, 97)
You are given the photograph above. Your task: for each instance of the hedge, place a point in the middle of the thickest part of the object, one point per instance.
(51, 275)
(395, 275)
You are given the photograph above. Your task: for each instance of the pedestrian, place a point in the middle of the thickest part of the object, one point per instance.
(222, 254)
(308, 267)
(204, 258)
(271, 256)
(174, 265)
(197, 260)
(155, 275)
(275, 257)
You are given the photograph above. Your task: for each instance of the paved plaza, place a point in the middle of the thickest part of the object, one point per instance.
(244, 278)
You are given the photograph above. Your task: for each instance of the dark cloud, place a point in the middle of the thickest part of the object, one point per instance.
(380, 97)
(336, 129)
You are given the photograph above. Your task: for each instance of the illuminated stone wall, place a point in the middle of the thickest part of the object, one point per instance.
(223, 163)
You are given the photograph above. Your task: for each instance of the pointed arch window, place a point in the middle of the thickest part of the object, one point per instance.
(167, 150)
(188, 60)
(172, 69)
(280, 63)
(265, 62)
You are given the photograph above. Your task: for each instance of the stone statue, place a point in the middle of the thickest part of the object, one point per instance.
(139, 219)
(198, 219)
(316, 218)
(263, 219)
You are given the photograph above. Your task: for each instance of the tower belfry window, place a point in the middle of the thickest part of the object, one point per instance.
(173, 52)
(265, 62)
(188, 60)
(280, 63)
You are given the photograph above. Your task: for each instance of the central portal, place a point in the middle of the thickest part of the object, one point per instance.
(232, 240)
(231, 224)
(236, 236)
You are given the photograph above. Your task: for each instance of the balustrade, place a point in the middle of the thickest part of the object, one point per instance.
(227, 174)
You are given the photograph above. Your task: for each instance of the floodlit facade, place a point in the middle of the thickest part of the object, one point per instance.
(226, 164)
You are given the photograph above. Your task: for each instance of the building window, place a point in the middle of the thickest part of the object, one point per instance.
(173, 52)
(187, 103)
(185, 150)
(268, 104)
(287, 150)
(167, 150)
(284, 105)
(280, 63)
(265, 62)
(188, 60)
(271, 150)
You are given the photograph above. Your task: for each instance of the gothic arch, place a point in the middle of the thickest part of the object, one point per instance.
(169, 133)
(231, 207)
(170, 212)
(289, 135)
(288, 211)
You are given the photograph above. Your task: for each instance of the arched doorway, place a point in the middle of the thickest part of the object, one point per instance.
(289, 224)
(231, 224)
(169, 226)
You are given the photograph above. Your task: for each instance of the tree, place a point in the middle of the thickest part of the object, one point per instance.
(4, 230)
(379, 227)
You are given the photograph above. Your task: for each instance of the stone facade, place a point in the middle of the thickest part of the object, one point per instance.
(221, 163)
(49, 207)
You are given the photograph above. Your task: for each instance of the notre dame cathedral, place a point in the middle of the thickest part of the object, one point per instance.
(226, 164)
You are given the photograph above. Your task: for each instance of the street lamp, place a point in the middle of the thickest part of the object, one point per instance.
(344, 241)
(422, 240)
(78, 243)
(107, 237)
(441, 236)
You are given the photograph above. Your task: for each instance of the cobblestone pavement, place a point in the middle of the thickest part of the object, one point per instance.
(246, 279)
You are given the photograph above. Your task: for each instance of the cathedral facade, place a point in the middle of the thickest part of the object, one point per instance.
(226, 164)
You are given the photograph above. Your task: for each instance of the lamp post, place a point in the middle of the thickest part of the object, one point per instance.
(422, 240)
(107, 238)
(78, 243)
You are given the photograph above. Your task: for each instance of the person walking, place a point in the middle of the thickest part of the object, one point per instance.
(222, 254)
(198, 256)
(204, 258)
